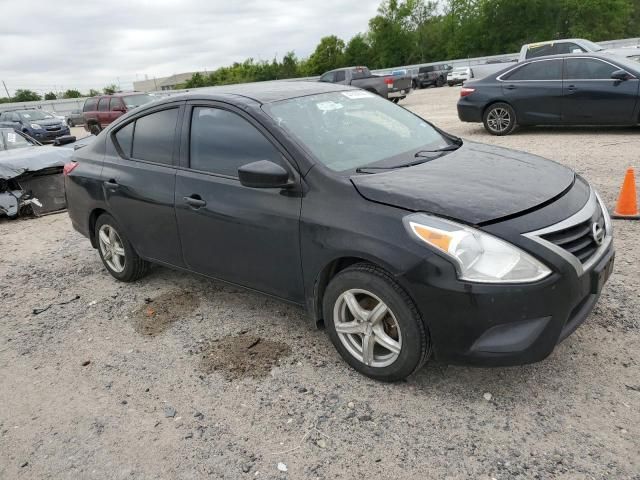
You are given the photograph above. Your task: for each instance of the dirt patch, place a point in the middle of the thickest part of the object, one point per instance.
(242, 356)
(157, 314)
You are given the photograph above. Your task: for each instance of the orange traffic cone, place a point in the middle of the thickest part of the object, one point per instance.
(627, 206)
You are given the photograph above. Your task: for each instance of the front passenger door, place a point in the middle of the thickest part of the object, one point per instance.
(248, 236)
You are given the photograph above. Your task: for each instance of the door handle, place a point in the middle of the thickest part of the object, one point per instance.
(111, 184)
(195, 201)
(510, 87)
(572, 88)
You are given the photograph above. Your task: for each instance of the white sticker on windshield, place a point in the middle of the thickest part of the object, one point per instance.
(11, 137)
(26, 115)
(353, 94)
(330, 105)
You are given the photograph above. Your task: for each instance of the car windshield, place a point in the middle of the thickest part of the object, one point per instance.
(133, 101)
(354, 128)
(592, 46)
(35, 115)
(10, 140)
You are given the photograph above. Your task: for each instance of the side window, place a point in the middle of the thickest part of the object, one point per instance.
(14, 117)
(543, 70)
(587, 69)
(340, 76)
(116, 104)
(90, 105)
(222, 141)
(124, 138)
(328, 77)
(154, 136)
(103, 104)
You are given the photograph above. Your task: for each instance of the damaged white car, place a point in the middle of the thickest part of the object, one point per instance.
(31, 180)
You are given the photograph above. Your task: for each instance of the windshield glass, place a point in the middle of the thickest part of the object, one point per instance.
(35, 115)
(10, 140)
(351, 129)
(592, 46)
(133, 101)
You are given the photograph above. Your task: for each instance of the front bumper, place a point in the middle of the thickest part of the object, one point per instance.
(48, 136)
(501, 324)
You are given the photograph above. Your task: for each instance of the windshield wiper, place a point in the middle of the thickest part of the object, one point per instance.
(447, 148)
(418, 154)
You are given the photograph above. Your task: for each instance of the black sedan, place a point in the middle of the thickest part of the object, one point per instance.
(576, 89)
(404, 240)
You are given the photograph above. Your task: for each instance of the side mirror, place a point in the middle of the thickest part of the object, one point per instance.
(64, 140)
(263, 174)
(621, 75)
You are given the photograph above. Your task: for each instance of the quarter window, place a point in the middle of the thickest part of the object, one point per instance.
(222, 141)
(588, 69)
(103, 105)
(340, 76)
(154, 135)
(124, 137)
(542, 70)
(328, 77)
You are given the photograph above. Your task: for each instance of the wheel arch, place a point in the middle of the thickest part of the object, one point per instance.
(493, 102)
(93, 218)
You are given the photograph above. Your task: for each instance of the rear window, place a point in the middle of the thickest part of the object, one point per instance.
(154, 136)
(357, 73)
(91, 105)
(426, 69)
(540, 70)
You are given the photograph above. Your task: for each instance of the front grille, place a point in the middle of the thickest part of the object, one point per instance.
(579, 239)
(54, 128)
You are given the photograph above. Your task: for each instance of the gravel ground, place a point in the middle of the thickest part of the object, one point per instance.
(181, 377)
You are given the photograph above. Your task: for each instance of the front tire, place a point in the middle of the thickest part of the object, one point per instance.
(499, 119)
(94, 129)
(70, 123)
(374, 324)
(116, 252)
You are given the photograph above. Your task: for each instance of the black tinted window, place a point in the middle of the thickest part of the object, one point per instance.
(543, 70)
(588, 69)
(154, 136)
(103, 105)
(535, 51)
(327, 77)
(116, 103)
(222, 141)
(124, 137)
(569, 47)
(340, 76)
(90, 105)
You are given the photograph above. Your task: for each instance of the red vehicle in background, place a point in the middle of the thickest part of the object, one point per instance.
(98, 112)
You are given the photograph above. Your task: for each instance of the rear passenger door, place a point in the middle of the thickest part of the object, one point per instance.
(534, 90)
(591, 96)
(248, 236)
(116, 108)
(139, 182)
(103, 111)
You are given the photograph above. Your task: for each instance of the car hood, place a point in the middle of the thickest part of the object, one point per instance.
(47, 122)
(475, 184)
(14, 163)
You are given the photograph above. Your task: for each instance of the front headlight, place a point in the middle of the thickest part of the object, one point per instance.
(35, 126)
(479, 257)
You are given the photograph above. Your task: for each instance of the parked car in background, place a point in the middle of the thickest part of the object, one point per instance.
(558, 47)
(38, 124)
(98, 112)
(576, 89)
(406, 241)
(459, 75)
(75, 118)
(432, 75)
(391, 87)
(60, 117)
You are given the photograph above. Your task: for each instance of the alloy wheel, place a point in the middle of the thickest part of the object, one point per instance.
(367, 328)
(111, 248)
(499, 119)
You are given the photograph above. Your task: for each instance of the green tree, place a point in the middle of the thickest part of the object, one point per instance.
(93, 93)
(289, 68)
(329, 54)
(196, 80)
(358, 51)
(50, 96)
(23, 95)
(110, 89)
(72, 94)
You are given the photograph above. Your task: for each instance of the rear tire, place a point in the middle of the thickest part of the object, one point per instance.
(385, 339)
(395, 100)
(116, 252)
(95, 129)
(499, 119)
(439, 82)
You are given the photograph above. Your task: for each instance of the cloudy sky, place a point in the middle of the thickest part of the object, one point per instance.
(88, 44)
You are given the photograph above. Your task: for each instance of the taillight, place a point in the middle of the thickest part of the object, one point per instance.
(69, 167)
(466, 91)
(388, 80)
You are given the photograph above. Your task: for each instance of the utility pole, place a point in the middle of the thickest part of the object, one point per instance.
(6, 89)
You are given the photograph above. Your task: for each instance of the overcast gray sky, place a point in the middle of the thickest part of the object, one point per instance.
(88, 44)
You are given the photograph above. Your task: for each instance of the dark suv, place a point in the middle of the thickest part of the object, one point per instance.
(40, 125)
(98, 112)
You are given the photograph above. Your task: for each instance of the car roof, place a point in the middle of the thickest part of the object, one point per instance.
(602, 56)
(549, 42)
(262, 92)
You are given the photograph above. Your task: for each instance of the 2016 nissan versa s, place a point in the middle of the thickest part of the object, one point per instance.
(404, 240)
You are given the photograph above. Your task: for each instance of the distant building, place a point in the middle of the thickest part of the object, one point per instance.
(163, 83)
